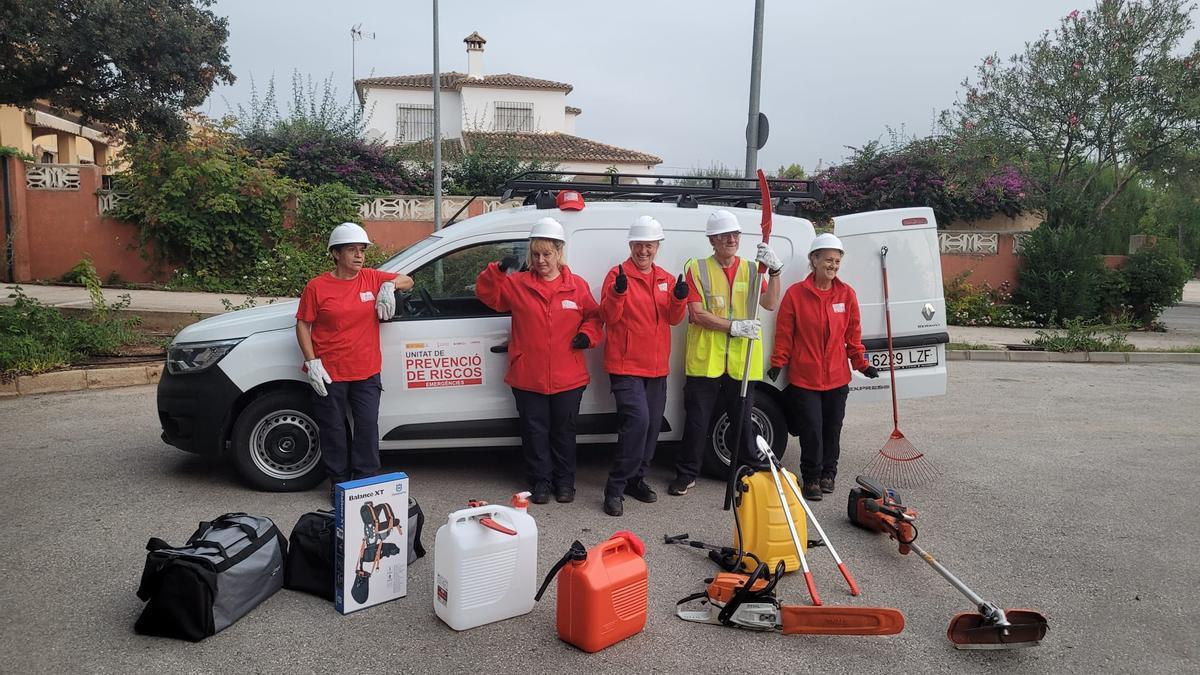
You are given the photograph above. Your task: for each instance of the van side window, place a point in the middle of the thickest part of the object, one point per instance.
(450, 280)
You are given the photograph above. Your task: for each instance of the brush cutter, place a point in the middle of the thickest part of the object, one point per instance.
(764, 449)
(748, 601)
(874, 507)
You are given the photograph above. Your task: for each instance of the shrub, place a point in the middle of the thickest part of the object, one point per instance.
(1083, 336)
(1060, 275)
(322, 140)
(970, 305)
(318, 210)
(205, 203)
(1155, 278)
(483, 171)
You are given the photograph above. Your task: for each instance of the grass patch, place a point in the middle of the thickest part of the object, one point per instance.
(1081, 336)
(36, 338)
(971, 346)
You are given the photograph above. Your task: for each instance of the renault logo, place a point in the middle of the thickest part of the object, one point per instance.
(927, 311)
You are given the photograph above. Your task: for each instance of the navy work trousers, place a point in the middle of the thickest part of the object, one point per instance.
(548, 436)
(701, 396)
(640, 404)
(817, 416)
(345, 459)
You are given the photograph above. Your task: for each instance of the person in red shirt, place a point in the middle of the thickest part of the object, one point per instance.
(337, 326)
(818, 337)
(640, 301)
(554, 318)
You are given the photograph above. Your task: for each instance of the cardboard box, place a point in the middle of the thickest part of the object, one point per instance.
(371, 564)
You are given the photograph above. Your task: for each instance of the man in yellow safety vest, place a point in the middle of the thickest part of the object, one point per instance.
(719, 332)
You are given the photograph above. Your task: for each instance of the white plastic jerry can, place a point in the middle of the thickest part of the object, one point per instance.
(485, 564)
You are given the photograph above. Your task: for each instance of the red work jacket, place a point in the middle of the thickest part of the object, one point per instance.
(638, 322)
(818, 335)
(546, 316)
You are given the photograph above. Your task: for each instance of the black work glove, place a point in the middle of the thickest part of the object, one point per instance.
(580, 341)
(681, 288)
(622, 282)
(870, 371)
(774, 372)
(509, 262)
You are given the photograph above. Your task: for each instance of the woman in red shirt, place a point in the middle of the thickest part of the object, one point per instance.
(818, 337)
(554, 318)
(640, 301)
(337, 326)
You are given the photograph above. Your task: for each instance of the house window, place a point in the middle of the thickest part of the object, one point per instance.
(414, 122)
(513, 117)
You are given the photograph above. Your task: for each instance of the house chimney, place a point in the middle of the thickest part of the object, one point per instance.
(475, 43)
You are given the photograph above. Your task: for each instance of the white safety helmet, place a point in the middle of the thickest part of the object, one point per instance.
(348, 233)
(720, 222)
(547, 228)
(645, 228)
(826, 240)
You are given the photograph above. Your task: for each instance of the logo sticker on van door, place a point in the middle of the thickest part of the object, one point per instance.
(444, 363)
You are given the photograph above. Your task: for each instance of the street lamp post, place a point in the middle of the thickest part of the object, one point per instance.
(437, 126)
(752, 134)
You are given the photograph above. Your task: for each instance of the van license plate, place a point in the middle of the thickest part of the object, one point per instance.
(913, 357)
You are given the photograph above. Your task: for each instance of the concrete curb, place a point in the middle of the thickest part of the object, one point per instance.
(131, 376)
(82, 378)
(1190, 358)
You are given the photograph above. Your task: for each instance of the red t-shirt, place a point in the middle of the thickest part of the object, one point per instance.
(345, 329)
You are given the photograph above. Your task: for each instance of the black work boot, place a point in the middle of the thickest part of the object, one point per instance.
(641, 491)
(540, 494)
(812, 490)
(614, 505)
(827, 484)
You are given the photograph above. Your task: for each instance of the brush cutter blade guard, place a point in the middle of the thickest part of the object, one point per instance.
(1024, 628)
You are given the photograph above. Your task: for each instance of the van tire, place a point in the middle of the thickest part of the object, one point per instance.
(276, 446)
(768, 418)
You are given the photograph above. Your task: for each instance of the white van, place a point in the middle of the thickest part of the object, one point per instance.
(233, 383)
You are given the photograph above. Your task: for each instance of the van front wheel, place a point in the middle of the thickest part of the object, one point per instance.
(275, 443)
(769, 423)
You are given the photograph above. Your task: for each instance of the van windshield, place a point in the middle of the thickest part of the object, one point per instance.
(394, 263)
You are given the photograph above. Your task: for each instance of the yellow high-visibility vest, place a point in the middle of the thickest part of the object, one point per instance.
(712, 353)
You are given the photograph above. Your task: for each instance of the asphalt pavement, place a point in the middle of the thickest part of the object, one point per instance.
(1068, 489)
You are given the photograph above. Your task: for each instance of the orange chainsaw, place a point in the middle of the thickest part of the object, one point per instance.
(878, 508)
(748, 601)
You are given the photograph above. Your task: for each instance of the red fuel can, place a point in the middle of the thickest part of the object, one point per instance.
(603, 593)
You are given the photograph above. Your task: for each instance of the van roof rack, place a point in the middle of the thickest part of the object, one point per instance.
(538, 188)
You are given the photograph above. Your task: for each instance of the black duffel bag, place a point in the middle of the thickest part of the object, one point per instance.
(226, 568)
(311, 548)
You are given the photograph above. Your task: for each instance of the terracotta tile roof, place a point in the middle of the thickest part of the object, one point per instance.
(452, 150)
(572, 110)
(456, 81)
(554, 147)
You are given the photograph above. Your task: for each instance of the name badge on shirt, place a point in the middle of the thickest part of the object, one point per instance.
(839, 307)
(569, 304)
(366, 296)
(663, 287)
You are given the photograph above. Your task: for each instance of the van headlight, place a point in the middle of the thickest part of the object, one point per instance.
(195, 357)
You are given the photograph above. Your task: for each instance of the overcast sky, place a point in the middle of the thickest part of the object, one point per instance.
(668, 77)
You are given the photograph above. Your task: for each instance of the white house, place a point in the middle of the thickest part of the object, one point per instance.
(524, 115)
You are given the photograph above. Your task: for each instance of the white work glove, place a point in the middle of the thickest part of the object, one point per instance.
(385, 301)
(317, 376)
(746, 328)
(767, 257)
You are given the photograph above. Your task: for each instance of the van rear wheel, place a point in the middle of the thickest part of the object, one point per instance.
(769, 423)
(276, 446)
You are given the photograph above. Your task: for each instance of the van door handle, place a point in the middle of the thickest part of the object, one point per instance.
(501, 348)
